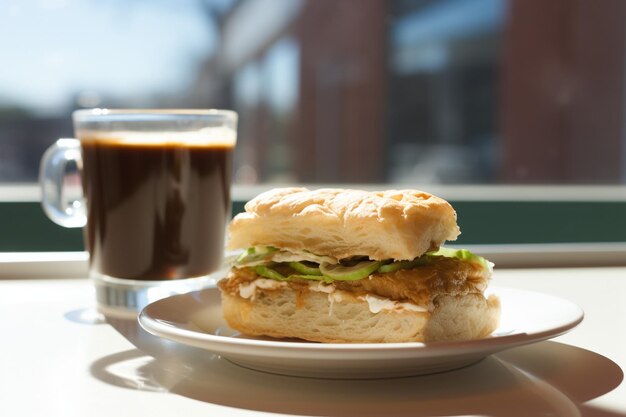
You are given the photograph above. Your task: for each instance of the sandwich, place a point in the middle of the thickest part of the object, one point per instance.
(352, 266)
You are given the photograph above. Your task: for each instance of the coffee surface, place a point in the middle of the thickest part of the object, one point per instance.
(156, 211)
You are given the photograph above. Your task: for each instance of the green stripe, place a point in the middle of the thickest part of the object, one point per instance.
(540, 222)
(24, 226)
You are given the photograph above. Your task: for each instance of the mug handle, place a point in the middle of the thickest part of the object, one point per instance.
(56, 199)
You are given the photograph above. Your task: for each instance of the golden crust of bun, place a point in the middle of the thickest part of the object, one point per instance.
(393, 224)
(314, 316)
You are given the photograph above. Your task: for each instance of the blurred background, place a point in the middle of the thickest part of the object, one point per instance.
(341, 91)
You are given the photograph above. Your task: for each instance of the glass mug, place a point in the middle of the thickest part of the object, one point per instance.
(156, 199)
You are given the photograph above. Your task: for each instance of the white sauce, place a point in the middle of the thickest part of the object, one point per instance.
(299, 256)
(376, 304)
(332, 297)
(248, 290)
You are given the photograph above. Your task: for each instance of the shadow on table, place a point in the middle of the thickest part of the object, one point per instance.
(546, 378)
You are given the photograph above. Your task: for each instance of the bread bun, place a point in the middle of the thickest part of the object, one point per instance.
(394, 224)
(439, 299)
(287, 313)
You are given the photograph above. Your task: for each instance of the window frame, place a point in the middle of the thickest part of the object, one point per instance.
(515, 226)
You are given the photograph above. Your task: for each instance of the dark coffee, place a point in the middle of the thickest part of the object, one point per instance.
(155, 211)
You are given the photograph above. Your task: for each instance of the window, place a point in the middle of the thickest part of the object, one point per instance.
(399, 91)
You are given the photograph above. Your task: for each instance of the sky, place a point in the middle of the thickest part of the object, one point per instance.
(53, 49)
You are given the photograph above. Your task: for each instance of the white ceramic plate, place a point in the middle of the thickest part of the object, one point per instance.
(195, 319)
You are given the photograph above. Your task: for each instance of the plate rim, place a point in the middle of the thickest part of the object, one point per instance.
(488, 344)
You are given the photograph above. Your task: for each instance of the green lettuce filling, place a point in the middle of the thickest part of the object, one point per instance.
(259, 258)
(462, 254)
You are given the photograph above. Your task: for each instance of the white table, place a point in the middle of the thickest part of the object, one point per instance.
(58, 359)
